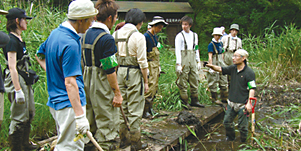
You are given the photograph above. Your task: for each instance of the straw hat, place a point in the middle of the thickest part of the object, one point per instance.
(81, 9)
(3, 12)
(217, 31)
(158, 19)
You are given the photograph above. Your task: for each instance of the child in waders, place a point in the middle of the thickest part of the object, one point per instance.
(215, 55)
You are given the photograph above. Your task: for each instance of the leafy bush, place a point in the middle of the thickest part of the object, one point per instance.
(277, 58)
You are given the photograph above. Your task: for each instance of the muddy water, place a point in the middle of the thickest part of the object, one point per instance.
(214, 140)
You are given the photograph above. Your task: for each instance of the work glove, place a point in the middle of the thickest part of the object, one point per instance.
(19, 97)
(211, 71)
(179, 69)
(199, 66)
(82, 124)
(147, 72)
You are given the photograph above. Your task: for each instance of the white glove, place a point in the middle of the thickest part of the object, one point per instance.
(211, 71)
(19, 97)
(179, 69)
(147, 72)
(82, 124)
(199, 66)
(159, 69)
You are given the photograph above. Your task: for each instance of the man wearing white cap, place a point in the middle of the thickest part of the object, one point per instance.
(4, 39)
(60, 55)
(153, 58)
(242, 88)
(187, 54)
(215, 55)
(231, 43)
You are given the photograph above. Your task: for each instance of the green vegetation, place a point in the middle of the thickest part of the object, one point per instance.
(274, 48)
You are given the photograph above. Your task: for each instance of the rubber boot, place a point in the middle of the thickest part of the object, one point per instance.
(195, 101)
(224, 95)
(16, 139)
(124, 136)
(184, 98)
(147, 106)
(214, 98)
(136, 143)
(27, 145)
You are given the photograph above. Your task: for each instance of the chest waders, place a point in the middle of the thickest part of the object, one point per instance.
(130, 82)
(228, 56)
(217, 78)
(190, 75)
(153, 59)
(21, 114)
(102, 115)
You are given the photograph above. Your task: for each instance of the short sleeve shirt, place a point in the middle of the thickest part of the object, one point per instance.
(15, 45)
(239, 88)
(62, 52)
(218, 46)
(151, 41)
(104, 47)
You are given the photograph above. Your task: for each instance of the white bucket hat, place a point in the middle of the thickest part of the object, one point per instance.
(81, 9)
(158, 19)
(3, 12)
(217, 31)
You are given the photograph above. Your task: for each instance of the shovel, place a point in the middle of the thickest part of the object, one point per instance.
(125, 120)
(253, 115)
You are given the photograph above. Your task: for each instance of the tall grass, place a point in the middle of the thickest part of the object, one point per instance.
(277, 58)
(39, 28)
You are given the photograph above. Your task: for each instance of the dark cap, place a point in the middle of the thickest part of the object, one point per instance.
(17, 13)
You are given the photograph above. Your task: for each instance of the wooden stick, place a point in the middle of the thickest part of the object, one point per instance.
(90, 136)
(125, 120)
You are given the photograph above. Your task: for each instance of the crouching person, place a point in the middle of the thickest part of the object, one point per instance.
(242, 88)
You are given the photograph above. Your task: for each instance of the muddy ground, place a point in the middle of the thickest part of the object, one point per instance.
(279, 95)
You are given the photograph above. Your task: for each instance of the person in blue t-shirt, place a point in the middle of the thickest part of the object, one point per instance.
(60, 55)
(153, 59)
(215, 55)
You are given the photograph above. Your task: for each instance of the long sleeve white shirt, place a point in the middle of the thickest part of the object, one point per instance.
(136, 44)
(180, 45)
